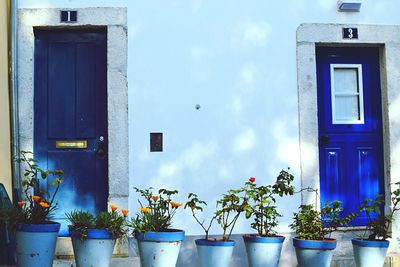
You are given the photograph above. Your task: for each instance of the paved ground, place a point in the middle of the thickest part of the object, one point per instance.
(116, 262)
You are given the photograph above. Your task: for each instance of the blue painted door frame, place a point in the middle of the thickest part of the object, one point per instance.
(350, 155)
(70, 104)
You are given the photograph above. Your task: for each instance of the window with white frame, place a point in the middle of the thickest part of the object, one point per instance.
(347, 94)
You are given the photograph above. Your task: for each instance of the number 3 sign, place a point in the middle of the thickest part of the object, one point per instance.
(350, 33)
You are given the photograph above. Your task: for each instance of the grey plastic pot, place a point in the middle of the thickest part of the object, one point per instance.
(314, 253)
(159, 249)
(35, 244)
(263, 251)
(95, 250)
(214, 253)
(369, 253)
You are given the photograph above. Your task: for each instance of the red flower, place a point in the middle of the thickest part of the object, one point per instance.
(21, 203)
(252, 179)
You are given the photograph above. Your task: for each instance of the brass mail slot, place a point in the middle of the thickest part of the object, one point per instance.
(71, 144)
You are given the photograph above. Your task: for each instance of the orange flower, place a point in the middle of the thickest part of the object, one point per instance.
(125, 212)
(59, 172)
(155, 198)
(145, 210)
(21, 203)
(175, 204)
(44, 204)
(36, 198)
(113, 207)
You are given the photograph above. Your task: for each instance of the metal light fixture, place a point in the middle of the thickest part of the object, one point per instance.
(349, 5)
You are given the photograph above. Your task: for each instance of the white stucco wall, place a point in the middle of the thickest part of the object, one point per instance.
(237, 60)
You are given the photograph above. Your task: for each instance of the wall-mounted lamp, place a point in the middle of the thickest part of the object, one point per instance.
(349, 5)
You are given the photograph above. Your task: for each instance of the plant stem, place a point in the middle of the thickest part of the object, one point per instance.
(234, 220)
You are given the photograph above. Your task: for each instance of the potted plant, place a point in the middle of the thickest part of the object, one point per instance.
(7, 241)
(158, 243)
(314, 245)
(371, 247)
(264, 248)
(36, 234)
(93, 237)
(217, 252)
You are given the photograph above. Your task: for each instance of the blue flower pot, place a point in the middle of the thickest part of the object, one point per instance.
(263, 251)
(95, 250)
(36, 243)
(214, 253)
(369, 253)
(314, 253)
(159, 249)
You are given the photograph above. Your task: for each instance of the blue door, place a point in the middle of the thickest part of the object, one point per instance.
(70, 115)
(350, 126)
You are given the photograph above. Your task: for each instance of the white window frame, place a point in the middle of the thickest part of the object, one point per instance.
(360, 92)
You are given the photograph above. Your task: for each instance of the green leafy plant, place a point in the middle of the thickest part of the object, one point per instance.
(379, 228)
(115, 223)
(39, 204)
(331, 214)
(195, 204)
(310, 224)
(158, 211)
(80, 222)
(229, 208)
(261, 204)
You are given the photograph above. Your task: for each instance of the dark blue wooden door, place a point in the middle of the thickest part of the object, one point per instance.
(350, 126)
(70, 115)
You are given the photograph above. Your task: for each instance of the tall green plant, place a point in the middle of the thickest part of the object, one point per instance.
(197, 205)
(262, 199)
(229, 208)
(39, 203)
(379, 228)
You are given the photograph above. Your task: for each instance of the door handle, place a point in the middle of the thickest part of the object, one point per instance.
(324, 139)
(100, 151)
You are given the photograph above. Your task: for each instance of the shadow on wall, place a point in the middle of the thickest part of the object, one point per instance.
(71, 195)
(188, 254)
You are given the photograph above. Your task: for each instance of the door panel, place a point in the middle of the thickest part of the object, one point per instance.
(350, 139)
(86, 89)
(61, 78)
(70, 103)
(333, 158)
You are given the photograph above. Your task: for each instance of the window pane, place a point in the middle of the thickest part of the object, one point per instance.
(346, 80)
(347, 108)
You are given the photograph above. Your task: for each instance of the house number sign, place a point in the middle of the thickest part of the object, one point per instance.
(69, 16)
(350, 33)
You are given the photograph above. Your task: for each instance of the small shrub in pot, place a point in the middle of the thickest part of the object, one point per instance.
(264, 248)
(94, 237)
(313, 243)
(371, 247)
